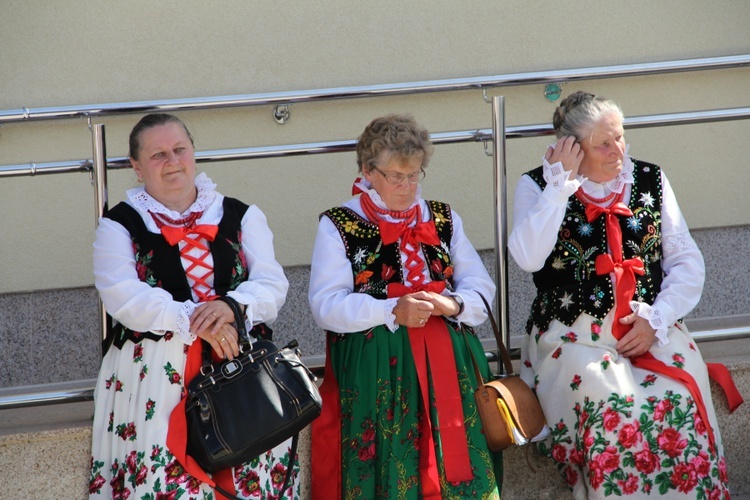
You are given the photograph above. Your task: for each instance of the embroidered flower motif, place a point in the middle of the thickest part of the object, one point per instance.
(634, 223)
(386, 272)
(647, 200)
(585, 229)
(575, 384)
(360, 255)
(351, 227)
(678, 360)
(557, 353)
(150, 409)
(566, 300)
(558, 264)
(649, 380)
(607, 359)
(362, 277)
(172, 374)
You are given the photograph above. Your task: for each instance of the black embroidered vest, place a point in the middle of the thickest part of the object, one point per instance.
(158, 262)
(568, 285)
(375, 265)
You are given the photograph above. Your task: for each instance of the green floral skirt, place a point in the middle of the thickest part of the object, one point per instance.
(381, 409)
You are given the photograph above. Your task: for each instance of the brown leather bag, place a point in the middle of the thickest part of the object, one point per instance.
(509, 410)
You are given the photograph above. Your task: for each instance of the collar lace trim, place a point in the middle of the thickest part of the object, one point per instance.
(144, 201)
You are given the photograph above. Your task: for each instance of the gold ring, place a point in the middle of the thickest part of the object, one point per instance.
(223, 339)
(421, 322)
(215, 316)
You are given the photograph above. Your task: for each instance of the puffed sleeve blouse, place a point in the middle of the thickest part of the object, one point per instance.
(538, 214)
(141, 307)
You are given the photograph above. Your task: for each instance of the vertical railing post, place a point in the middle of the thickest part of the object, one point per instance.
(501, 219)
(101, 201)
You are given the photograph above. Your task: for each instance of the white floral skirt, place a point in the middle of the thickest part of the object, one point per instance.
(618, 430)
(137, 388)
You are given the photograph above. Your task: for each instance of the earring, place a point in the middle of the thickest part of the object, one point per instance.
(140, 180)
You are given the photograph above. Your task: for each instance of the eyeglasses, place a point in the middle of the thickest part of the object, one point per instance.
(398, 177)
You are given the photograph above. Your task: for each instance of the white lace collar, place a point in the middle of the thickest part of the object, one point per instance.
(144, 201)
(364, 185)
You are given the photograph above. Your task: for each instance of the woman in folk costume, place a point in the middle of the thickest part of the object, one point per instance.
(622, 384)
(160, 258)
(395, 283)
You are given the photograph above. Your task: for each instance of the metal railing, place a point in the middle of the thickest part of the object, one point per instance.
(394, 89)
(101, 163)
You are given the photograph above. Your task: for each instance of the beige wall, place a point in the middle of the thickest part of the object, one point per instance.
(56, 53)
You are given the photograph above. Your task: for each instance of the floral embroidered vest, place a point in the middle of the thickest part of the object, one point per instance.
(375, 265)
(568, 285)
(158, 262)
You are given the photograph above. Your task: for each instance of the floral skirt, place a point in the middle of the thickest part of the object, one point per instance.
(381, 410)
(137, 388)
(619, 430)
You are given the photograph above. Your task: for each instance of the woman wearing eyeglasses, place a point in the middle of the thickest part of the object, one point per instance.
(395, 283)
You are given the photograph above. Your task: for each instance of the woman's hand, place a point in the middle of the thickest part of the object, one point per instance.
(213, 322)
(639, 339)
(568, 152)
(211, 316)
(225, 342)
(413, 310)
(444, 306)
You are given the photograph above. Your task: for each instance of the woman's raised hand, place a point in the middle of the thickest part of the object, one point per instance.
(568, 152)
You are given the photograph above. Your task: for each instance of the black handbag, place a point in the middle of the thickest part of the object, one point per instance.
(237, 410)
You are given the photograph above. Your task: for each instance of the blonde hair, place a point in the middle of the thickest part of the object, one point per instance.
(400, 135)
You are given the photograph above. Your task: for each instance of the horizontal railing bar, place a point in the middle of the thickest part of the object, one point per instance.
(289, 97)
(86, 391)
(659, 120)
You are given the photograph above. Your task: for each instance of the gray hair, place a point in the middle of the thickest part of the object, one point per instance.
(579, 112)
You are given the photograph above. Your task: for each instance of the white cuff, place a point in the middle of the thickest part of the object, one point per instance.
(655, 319)
(559, 186)
(183, 322)
(390, 318)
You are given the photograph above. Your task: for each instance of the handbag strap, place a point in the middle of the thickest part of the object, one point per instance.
(498, 338)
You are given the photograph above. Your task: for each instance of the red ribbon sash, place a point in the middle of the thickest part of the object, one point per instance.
(625, 272)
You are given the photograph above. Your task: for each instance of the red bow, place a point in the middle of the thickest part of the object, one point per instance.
(625, 272)
(423, 232)
(174, 235)
(614, 234)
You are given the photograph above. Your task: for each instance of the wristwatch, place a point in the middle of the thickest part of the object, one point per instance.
(460, 303)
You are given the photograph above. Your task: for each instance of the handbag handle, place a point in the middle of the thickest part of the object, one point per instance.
(498, 338)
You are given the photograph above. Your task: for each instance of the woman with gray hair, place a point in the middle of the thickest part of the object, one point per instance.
(395, 282)
(622, 384)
